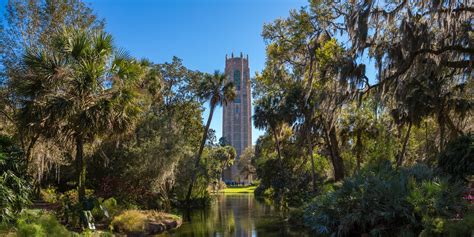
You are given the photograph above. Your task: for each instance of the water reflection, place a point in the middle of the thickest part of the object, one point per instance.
(236, 215)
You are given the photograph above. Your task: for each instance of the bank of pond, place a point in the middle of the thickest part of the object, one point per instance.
(379, 200)
(232, 212)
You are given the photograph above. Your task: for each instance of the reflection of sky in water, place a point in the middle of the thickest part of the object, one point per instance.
(254, 233)
(238, 215)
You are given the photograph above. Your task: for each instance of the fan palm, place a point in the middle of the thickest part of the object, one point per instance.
(268, 116)
(80, 89)
(218, 91)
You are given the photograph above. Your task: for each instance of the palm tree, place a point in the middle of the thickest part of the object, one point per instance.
(218, 91)
(268, 116)
(79, 89)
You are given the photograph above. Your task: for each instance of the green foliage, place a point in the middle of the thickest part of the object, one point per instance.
(93, 92)
(381, 200)
(216, 160)
(14, 181)
(49, 194)
(14, 195)
(151, 168)
(130, 221)
(106, 209)
(32, 23)
(136, 221)
(72, 196)
(458, 227)
(89, 233)
(457, 159)
(40, 224)
(285, 181)
(248, 189)
(434, 205)
(317, 84)
(218, 91)
(246, 163)
(66, 81)
(70, 207)
(28, 25)
(111, 206)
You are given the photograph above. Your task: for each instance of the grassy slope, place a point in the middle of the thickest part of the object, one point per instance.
(248, 189)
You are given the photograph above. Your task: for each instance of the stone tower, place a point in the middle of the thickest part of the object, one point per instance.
(236, 124)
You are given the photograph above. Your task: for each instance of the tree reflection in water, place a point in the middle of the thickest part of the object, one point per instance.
(238, 215)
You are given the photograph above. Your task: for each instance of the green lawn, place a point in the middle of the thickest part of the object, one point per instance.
(247, 189)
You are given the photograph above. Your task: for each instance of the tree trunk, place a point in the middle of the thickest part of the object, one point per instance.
(282, 172)
(277, 145)
(454, 131)
(198, 156)
(337, 161)
(29, 149)
(404, 147)
(81, 168)
(308, 119)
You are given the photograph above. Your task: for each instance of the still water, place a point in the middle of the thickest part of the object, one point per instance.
(238, 215)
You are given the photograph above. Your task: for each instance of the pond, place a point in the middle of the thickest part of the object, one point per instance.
(235, 215)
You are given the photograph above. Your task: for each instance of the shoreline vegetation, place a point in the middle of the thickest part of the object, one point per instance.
(366, 108)
(237, 190)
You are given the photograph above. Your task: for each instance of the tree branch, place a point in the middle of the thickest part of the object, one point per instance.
(7, 116)
(457, 64)
(409, 61)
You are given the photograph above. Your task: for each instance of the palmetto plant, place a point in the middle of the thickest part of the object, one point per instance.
(270, 114)
(218, 91)
(382, 200)
(14, 182)
(80, 89)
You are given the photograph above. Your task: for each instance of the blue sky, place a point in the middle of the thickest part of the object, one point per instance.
(199, 32)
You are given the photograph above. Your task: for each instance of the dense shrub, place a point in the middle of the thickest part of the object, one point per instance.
(457, 227)
(284, 187)
(130, 221)
(136, 221)
(384, 201)
(49, 195)
(14, 182)
(111, 206)
(37, 223)
(106, 209)
(457, 159)
(70, 208)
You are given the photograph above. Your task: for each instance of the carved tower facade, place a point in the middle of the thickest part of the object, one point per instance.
(236, 126)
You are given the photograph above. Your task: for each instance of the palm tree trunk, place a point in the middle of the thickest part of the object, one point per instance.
(405, 143)
(29, 149)
(81, 168)
(28, 155)
(277, 145)
(198, 156)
